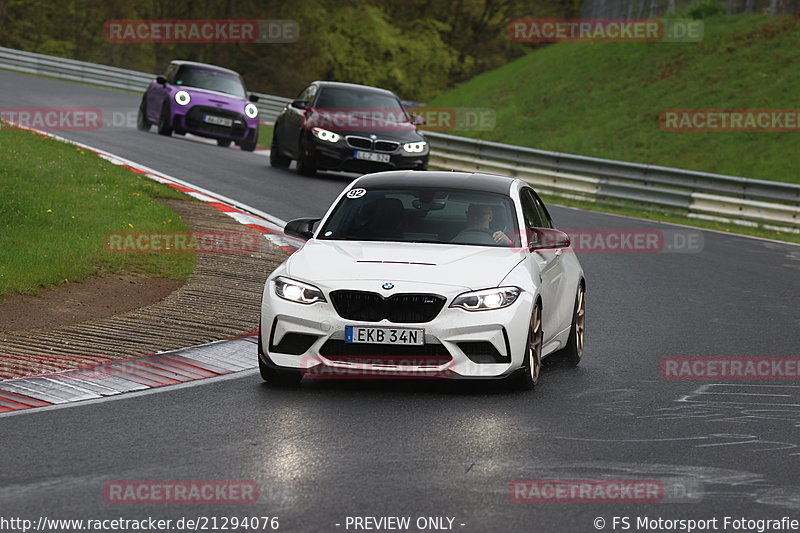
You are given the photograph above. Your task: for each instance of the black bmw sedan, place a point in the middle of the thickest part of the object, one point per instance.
(347, 127)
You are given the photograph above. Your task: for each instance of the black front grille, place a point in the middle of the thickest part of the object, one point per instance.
(359, 142)
(399, 308)
(194, 120)
(386, 354)
(386, 146)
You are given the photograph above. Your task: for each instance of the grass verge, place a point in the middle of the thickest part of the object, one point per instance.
(265, 136)
(59, 202)
(605, 99)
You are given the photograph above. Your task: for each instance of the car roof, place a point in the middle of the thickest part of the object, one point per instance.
(208, 66)
(471, 181)
(351, 86)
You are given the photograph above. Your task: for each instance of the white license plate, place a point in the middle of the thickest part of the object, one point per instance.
(360, 334)
(220, 121)
(372, 156)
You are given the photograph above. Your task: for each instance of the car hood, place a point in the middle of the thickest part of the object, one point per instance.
(361, 123)
(469, 267)
(206, 95)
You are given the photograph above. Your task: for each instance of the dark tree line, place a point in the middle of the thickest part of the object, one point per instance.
(414, 47)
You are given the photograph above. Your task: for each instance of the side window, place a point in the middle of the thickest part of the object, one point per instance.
(312, 92)
(302, 95)
(308, 94)
(529, 211)
(170, 73)
(543, 214)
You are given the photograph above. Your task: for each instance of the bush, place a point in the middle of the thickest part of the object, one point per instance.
(705, 9)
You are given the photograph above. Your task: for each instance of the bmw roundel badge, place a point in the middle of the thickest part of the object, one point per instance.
(388, 286)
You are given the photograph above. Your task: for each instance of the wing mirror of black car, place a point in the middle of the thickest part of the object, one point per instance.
(253, 98)
(299, 104)
(161, 80)
(302, 228)
(547, 239)
(417, 120)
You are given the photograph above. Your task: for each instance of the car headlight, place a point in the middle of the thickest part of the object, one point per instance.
(415, 148)
(251, 111)
(297, 291)
(325, 135)
(182, 98)
(487, 299)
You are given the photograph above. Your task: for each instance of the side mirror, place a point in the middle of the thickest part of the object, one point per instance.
(302, 228)
(547, 239)
(253, 98)
(417, 120)
(299, 104)
(161, 80)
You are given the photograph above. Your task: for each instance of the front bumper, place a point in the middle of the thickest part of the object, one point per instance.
(340, 156)
(458, 343)
(242, 129)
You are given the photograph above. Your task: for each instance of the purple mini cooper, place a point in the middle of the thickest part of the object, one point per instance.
(201, 99)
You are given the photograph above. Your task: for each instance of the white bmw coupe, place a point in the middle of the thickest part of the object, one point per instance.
(424, 274)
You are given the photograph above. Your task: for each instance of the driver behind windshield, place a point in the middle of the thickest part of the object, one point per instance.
(479, 220)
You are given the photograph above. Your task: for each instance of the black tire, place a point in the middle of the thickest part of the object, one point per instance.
(305, 165)
(164, 126)
(142, 124)
(223, 142)
(276, 158)
(572, 352)
(248, 146)
(274, 376)
(528, 376)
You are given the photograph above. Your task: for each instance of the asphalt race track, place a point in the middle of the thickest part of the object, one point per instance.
(334, 448)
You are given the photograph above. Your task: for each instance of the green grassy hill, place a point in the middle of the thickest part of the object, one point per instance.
(605, 99)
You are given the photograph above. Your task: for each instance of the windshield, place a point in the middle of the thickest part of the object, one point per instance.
(360, 100)
(429, 215)
(212, 80)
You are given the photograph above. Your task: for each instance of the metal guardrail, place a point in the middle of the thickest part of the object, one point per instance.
(701, 193)
(747, 188)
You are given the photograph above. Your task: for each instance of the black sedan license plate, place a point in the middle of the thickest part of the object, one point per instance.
(372, 156)
(406, 336)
